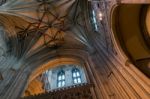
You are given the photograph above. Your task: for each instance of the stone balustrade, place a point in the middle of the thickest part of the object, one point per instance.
(80, 91)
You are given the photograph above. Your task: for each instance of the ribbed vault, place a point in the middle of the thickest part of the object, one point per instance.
(33, 33)
(37, 26)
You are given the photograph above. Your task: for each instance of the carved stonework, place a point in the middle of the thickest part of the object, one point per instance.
(81, 91)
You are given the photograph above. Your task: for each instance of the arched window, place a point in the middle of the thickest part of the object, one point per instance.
(61, 79)
(76, 76)
(94, 20)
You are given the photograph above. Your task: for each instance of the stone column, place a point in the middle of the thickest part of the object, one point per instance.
(16, 85)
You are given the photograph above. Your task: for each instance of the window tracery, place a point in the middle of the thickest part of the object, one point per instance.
(76, 76)
(63, 76)
(61, 79)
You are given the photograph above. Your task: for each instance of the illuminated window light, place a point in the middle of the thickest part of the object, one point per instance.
(100, 16)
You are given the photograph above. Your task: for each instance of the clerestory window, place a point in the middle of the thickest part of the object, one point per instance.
(61, 79)
(76, 76)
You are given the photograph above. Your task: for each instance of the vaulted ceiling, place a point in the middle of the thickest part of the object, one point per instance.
(31, 29)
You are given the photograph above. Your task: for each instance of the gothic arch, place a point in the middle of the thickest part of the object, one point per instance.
(80, 58)
(60, 60)
(128, 32)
